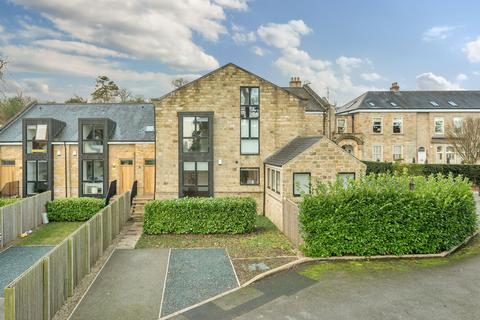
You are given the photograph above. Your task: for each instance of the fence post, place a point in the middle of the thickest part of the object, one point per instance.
(10, 303)
(70, 267)
(87, 245)
(100, 220)
(2, 235)
(46, 289)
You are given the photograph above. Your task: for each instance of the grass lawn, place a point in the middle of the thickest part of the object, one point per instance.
(266, 244)
(50, 234)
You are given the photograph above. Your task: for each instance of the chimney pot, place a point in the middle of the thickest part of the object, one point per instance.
(295, 82)
(395, 87)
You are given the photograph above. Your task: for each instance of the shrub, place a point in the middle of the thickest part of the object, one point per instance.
(73, 209)
(6, 201)
(200, 215)
(378, 167)
(379, 215)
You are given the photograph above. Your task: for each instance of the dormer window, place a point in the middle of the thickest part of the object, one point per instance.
(93, 138)
(37, 138)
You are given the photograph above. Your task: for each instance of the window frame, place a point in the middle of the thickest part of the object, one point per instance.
(373, 124)
(250, 168)
(381, 152)
(207, 138)
(293, 183)
(344, 125)
(196, 184)
(345, 173)
(249, 119)
(454, 120)
(102, 140)
(435, 125)
(36, 181)
(401, 152)
(401, 125)
(450, 155)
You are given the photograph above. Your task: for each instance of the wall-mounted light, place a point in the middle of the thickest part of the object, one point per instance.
(59, 153)
(220, 162)
(74, 153)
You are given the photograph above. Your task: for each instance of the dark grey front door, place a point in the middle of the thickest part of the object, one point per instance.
(196, 154)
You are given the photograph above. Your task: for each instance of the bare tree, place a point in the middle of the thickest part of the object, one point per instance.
(9, 107)
(179, 82)
(466, 139)
(3, 67)
(125, 95)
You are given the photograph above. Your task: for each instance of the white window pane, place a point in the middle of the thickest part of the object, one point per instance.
(41, 132)
(189, 166)
(301, 183)
(249, 146)
(254, 128)
(254, 99)
(31, 171)
(244, 96)
(244, 128)
(188, 126)
(31, 132)
(202, 166)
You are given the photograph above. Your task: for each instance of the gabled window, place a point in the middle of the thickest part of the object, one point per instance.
(397, 125)
(439, 125)
(341, 125)
(377, 125)
(249, 120)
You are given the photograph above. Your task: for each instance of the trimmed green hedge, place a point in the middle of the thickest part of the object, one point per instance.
(200, 215)
(73, 209)
(6, 201)
(470, 171)
(379, 215)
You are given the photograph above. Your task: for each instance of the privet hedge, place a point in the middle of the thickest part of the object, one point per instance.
(379, 215)
(7, 201)
(472, 172)
(73, 209)
(200, 215)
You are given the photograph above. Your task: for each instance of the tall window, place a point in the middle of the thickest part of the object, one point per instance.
(450, 154)
(341, 125)
(37, 177)
(397, 125)
(37, 138)
(457, 123)
(93, 138)
(195, 134)
(439, 154)
(92, 177)
(249, 120)
(249, 176)
(377, 153)
(377, 125)
(195, 179)
(397, 152)
(301, 183)
(439, 125)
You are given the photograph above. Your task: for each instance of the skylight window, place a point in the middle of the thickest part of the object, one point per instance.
(452, 103)
(433, 103)
(149, 128)
(393, 104)
(371, 103)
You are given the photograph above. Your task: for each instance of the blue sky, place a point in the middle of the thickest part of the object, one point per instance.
(57, 48)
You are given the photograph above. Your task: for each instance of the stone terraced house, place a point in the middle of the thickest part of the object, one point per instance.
(407, 126)
(220, 135)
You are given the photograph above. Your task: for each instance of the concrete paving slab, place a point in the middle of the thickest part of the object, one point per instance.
(195, 275)
(129, 286)
(15, 260)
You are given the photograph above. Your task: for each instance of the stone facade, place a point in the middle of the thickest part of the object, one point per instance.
(65, 170)
(12, 152)
(418, 132)
(282, 118)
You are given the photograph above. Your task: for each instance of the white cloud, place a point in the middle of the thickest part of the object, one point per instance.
(372, 76)
(462, 77)
(31, 31)
(79, 48)
(161, 30)
(472, 49)
(431, 81)
(438, 33)
(347, 63)
(477, 73)
(36, 85)
(259, 51)
(241, 38)
(233, 4)
(283, 35)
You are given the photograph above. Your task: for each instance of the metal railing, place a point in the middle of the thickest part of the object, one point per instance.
(112, 190)
(133, 192)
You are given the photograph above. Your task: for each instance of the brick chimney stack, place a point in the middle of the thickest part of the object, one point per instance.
(395, 87)
(295, 82)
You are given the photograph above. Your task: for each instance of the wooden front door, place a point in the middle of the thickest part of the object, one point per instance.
(7, 174)
(149, 176)
(127, 175)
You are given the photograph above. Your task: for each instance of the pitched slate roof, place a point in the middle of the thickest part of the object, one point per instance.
(413, 100)
(312, 101)
(291, 150)
(131, 120)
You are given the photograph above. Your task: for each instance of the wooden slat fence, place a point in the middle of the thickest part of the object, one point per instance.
(43, 289)
(291, 225)
(22, 216)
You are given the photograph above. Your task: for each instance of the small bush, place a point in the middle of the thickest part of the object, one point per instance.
(379, 215)
(378, 167)
(73, 209)
(200, 215)
(6, 201)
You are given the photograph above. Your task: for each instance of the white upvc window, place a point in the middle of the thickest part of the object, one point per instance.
(457, 123)
(377, 153)
(439, 154)
(377, 125)
(439, 124)
(397, 152)
(450, 154)
(341, 125)
(397, 125)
